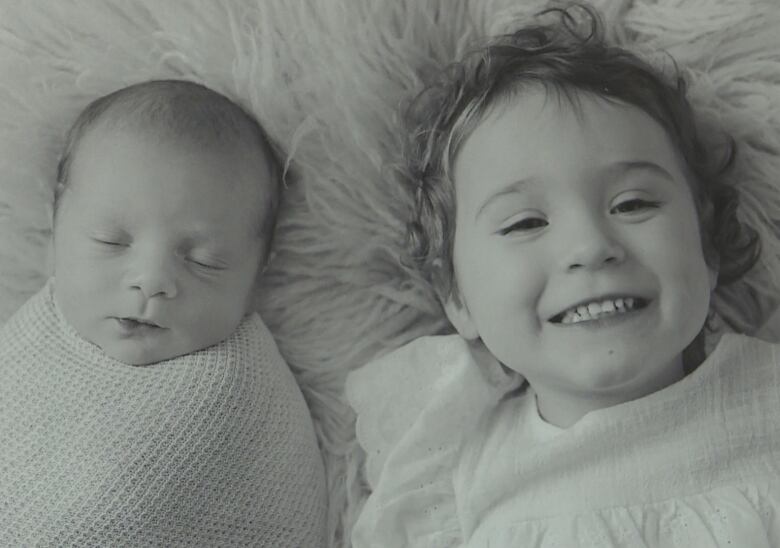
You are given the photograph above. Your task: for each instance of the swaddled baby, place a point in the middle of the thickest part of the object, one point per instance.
(142, 402)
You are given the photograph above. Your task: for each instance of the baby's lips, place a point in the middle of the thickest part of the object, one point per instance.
(131, 321)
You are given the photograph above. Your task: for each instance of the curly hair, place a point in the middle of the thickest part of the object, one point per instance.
(564, 60)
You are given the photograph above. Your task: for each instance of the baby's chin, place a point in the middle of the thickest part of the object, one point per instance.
(136, 353)
(141, 358)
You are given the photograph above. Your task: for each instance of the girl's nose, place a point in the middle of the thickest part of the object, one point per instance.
(154, 277)
(592, 246)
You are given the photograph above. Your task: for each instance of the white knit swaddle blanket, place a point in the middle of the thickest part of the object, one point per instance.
(215, 448)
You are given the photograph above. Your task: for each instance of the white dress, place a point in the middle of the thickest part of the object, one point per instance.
(452, 462)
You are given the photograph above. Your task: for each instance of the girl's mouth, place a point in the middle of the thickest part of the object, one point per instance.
(598, 309)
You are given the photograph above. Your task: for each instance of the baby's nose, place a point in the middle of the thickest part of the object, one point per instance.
(155, 278)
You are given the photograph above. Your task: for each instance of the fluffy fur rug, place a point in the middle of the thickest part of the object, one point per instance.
(326, 79)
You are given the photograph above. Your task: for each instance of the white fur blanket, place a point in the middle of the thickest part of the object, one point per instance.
(326, 77)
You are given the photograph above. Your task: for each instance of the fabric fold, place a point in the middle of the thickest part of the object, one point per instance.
(415, 407)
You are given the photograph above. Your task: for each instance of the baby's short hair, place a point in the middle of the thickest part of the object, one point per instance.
(179, 110)
(561, 59)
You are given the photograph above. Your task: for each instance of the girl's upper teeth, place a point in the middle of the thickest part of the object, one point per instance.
(595, 309)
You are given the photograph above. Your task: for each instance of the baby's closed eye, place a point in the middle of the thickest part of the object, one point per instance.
(206, 260)
(110, 239)
(207, 264)
(110, 243)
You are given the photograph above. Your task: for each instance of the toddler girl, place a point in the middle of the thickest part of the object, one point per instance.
(574, 226)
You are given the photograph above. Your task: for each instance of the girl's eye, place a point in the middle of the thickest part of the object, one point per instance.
(529, 223)
(634, 205)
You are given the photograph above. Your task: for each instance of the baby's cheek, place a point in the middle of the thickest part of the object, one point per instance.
(216, 318)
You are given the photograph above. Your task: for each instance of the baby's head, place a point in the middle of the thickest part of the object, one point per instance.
(164, 213)
(568, 214)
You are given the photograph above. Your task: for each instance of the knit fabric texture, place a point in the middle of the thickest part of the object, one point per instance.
(214, 448)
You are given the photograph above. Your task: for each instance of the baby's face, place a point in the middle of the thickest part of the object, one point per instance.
(156, 246)
(577, 250)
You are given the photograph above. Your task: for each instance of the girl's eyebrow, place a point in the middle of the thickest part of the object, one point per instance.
(611, 171)
(511, 188)
(621, 168)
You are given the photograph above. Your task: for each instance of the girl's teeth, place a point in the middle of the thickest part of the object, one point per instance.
(595, 310)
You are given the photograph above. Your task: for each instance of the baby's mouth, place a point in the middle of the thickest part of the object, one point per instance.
(134, 323)
(600, 308)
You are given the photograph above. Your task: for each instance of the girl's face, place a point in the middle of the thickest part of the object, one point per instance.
(156, 249)
(577, 251)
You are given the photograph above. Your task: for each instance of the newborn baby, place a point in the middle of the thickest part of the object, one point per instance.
(142, 402)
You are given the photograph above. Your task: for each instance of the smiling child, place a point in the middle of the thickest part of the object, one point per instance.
(574, 226)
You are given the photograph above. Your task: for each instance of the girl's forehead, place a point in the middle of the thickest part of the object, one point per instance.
(534, 131)
(535, 140)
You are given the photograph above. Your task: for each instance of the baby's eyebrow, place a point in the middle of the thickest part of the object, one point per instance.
(206, 240)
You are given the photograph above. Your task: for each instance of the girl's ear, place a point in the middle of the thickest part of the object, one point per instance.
(713, 278)
(712, 272)
(458, 313)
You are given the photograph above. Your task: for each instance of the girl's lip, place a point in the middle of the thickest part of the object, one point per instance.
(642, 302)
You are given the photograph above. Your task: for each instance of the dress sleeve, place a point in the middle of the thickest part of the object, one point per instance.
(414, 407)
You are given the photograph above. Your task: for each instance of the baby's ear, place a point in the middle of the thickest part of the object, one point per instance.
(59, 190)
(458, 313)
(271, 256)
